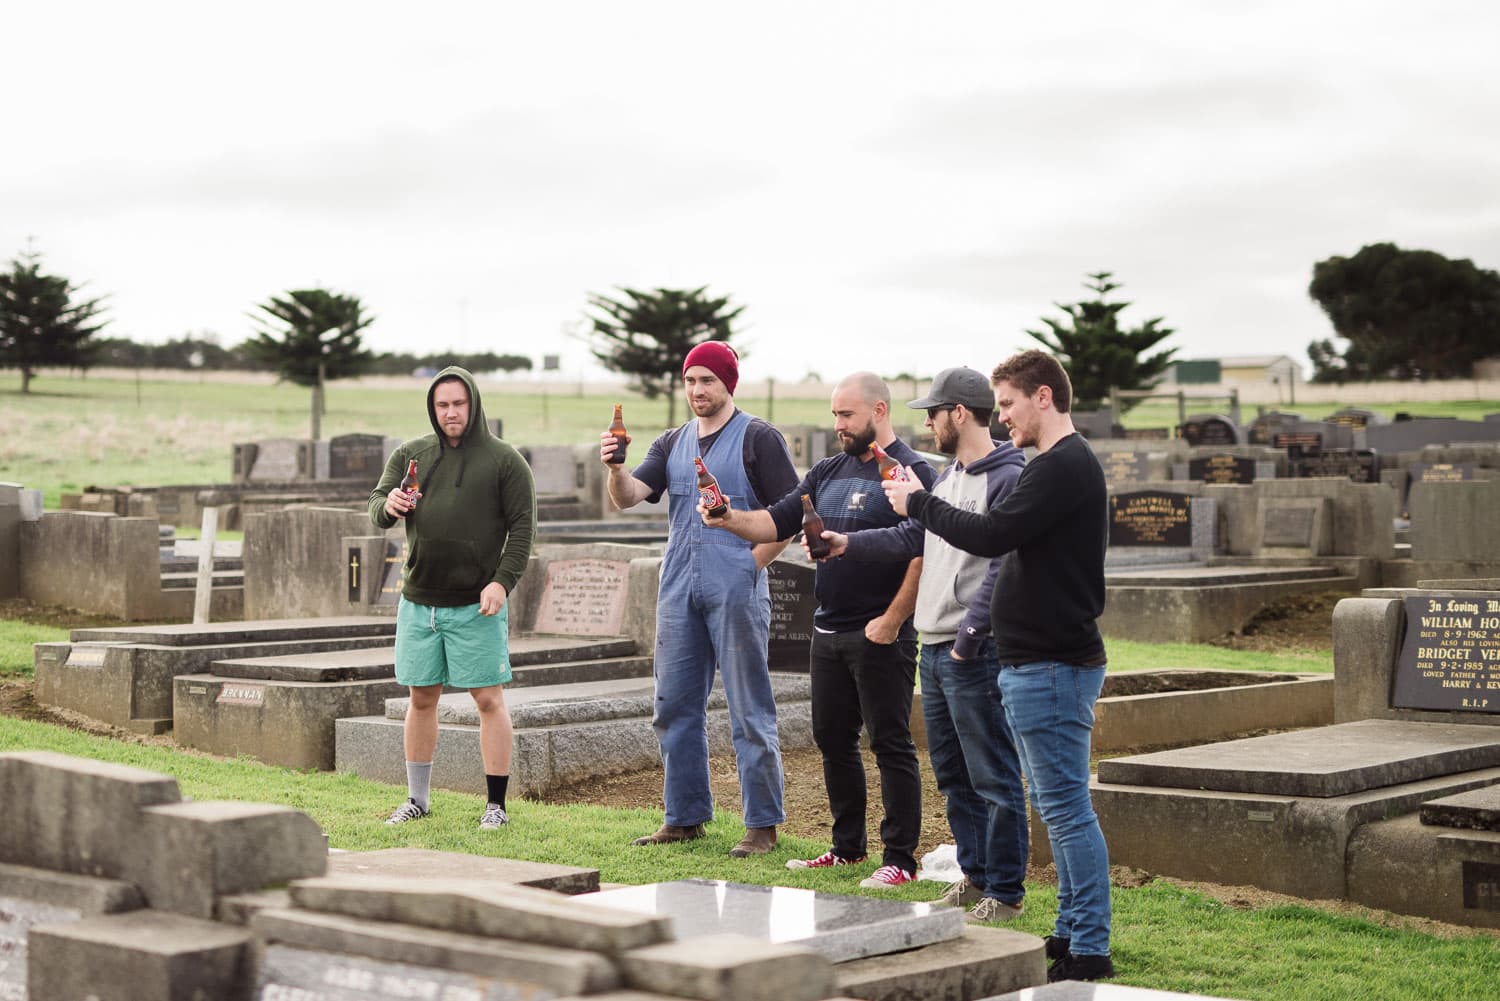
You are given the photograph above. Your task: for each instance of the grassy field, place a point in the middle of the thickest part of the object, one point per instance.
(70, 432)
(1165, 937)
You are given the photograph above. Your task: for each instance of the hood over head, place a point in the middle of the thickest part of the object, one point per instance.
(477, 429)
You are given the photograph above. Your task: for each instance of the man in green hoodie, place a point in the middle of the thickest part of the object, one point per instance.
(467, 543)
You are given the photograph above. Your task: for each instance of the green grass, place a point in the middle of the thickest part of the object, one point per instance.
(1165, 937)
(1163, 413)
(1131, 655)
(16, 639)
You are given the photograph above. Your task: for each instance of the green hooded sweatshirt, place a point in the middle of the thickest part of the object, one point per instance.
(476, 519)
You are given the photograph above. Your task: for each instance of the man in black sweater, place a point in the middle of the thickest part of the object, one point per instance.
(1052, 530)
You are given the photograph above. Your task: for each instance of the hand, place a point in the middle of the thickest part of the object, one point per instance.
(721, 521)
(492, 598)
(882, 631)
(956, 658)
(838, 544)
(607, 445)
(896, 491)
(399, 503)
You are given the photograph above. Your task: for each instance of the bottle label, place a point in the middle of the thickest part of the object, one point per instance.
(895, 472)
(711, 497)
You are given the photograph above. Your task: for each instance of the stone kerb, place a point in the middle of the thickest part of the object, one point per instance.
(295, 561)
(97, 819)
(101, 562)
(12, 514)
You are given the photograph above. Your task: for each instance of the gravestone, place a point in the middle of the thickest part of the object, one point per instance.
(1263, 430)
(555, 469)
(1353, 417)
(282, 460)
(584, 597)
(1150, 518)
(1209, 429)
(393, 574)
(1433, 472)
(1296, 526)
(793, 603)
(1222, 469)
(1146, 434)
(1450, 659)
(1125, 467)
(1359, 465)
(1458, 521)
(356, 456)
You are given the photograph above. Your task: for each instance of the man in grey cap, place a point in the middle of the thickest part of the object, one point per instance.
(971, 748)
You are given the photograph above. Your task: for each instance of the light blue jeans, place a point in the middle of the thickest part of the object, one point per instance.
(1050, 707)
(977, 768)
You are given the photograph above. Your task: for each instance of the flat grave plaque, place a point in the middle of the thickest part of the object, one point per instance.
(1150, 518)
(1289, 527)
(1146, 434)
(1222, 469)
(353, 574)
(1298, 443)
(583, 597)
(1441, 472)
(1451, 657)
(1353, 418)
(1481, 886)
(792, 605)
(292, 974)
(838, 926)
(1125, 467)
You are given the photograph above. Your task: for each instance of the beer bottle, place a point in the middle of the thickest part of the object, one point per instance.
(812, 530)
(617, 428)
(708, 490)
(409, 481)
(890, 469)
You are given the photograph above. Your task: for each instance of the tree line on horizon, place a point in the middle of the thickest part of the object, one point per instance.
(1396, 314)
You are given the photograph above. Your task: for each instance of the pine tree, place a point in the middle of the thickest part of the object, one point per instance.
(40, 321)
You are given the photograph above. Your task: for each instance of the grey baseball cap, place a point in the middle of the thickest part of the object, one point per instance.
(958, 385)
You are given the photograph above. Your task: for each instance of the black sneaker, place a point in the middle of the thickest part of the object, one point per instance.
(1074, 967)
(1057, 946)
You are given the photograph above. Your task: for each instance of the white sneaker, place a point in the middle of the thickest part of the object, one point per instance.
(960, 893)
(990, 909)
(406, 811)
(494, 818)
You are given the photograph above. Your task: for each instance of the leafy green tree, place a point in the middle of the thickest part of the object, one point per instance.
(1097, 353)
(1407, 313)
(645, 335)
(41, 323)
(310, 336)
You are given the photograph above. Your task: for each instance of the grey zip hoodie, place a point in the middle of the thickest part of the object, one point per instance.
(953, 598)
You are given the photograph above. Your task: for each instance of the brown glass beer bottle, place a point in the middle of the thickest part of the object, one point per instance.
(890, 469)
(409, 482)
(708, 490)
(617, 428)
(812, 530)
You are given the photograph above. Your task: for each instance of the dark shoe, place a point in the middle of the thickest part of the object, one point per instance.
(1057, 946)
(668, 834)
(1074, 967)
(757, 841)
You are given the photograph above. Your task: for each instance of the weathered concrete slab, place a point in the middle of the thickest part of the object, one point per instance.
(557, 970)
(1185, 612)
(341, 665)
(728, 967)
(519, 913)
(140, 956)
(1204, 714)
(837, 926)
(1476, 810)
(1404, 866)
(983, 962)
(427, 864)
(84, 894)
(288, 723)
(1327, 761)
(257, 631)
(1200, 575)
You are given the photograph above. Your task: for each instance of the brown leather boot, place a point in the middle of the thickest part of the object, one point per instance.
(757, 841)
(667, 834)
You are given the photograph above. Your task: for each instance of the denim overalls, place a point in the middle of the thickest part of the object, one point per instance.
(713, 609)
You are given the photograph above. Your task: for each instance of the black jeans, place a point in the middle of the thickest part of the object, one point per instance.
(856, 683)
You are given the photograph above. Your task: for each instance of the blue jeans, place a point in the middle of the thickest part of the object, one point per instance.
(1050, 707)
(977, 767)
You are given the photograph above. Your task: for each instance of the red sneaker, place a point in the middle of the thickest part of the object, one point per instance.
(886, 877)
(822, 861)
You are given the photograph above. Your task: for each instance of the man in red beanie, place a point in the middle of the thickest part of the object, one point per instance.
(713, 608)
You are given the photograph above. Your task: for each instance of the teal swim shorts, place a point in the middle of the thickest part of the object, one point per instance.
(451, 646)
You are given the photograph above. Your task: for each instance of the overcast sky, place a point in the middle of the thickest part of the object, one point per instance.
(894, 186)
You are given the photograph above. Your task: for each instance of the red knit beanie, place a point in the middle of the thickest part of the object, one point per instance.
(719, 358)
